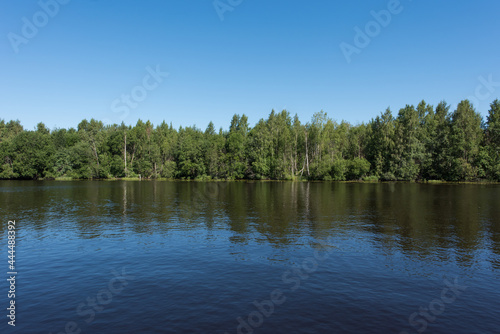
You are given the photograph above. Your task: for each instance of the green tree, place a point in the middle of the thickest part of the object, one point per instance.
(33, 154)
(190, 155)
(420, 143)
(236, 147)
(92, 138)
(492, 141)
(381, 145)
(465, 139)
(408, 151)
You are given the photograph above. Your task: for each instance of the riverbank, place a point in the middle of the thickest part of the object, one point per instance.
(364, 180)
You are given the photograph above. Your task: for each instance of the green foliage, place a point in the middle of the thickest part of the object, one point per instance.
(381, 143)
(491, 145)
(339, 170)
(388, 176)
(33, 154)
(358, 168)
(168, 169)
(466, 136)
(408, 152)
(421, 143)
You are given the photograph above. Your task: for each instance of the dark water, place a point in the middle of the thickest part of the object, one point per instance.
(187, 257)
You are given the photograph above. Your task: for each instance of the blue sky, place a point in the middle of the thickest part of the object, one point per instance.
(263, 55)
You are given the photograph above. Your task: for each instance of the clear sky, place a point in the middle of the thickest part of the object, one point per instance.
(83, 58)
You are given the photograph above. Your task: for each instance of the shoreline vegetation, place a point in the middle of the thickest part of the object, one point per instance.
(367, 180)
(422, 144)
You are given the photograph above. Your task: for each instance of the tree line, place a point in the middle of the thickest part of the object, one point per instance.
(420, 143)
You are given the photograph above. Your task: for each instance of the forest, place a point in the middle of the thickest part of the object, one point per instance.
(420, 143)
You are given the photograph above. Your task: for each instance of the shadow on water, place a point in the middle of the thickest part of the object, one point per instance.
(441, 222)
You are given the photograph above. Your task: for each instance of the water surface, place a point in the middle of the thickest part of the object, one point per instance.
(194, 257)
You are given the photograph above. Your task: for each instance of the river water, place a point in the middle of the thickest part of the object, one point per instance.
(252, 257)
